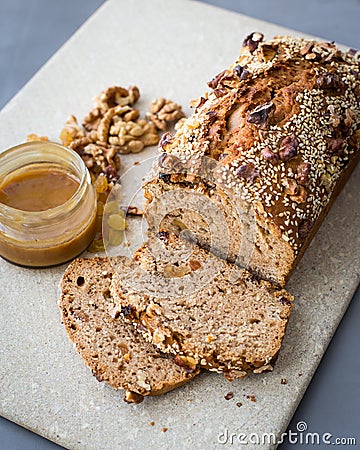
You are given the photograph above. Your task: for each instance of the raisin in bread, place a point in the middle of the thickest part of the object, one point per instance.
(206, 311)
(111, 347)
(282, 128)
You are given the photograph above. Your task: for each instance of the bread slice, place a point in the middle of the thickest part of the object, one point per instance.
(111, 347)
(209, 313)
(278, 135)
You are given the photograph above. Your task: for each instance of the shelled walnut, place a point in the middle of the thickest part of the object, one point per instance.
(116, 96)
(97, 157)
(163, 111)
(132, 136)
(113, 123)
(113, 127)
(72, 131)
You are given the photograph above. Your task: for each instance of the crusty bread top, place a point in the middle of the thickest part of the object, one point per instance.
(111, 347)
(282, 122)
(230, 326)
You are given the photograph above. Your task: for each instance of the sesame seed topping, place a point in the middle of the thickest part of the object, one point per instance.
(313, 124)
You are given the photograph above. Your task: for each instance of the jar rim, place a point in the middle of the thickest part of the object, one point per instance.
(84, 178)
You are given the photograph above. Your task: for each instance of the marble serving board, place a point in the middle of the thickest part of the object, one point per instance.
(168, 48)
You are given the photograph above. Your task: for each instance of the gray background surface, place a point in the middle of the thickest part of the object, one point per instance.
(32, 30)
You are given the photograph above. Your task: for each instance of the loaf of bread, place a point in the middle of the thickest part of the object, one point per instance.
(278, 135)
(109, 346)
(204, 310)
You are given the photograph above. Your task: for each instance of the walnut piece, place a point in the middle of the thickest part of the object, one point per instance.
(172, 271)
(134, 211)
(329, 80)
(198, 102)
(305, 228)
(163, 111)
(303, 171)
(291, 186)
(113, 127)
(92, 119)
(142, 382)
(97, 157)
(300, 196)
(295, 191)
(335, 146)
(71, 131)
(269, 155)
(166, 139)
(112, 116)
(260, 115)
(132, 136)
(121, 128)
(188, 362)
(268, 52)
(116, 96)
(349, 117)
(108, 99)
(241, 72)
(252, 41)
(81, 315)
(326, 181)
(214, 82)
(334, 119)
(289, 146)
(133, 397)
(248, 172)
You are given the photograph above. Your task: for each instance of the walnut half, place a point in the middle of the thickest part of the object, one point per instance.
(133, 397)
(163, 112)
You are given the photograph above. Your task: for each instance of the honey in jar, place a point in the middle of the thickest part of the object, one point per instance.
(47, 204)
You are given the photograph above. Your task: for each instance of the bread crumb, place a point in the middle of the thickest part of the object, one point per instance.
(283, 381)
(136, 163)
(164, 430)
(251, 397)
(152, 424)
(229, 396)
(238, 404)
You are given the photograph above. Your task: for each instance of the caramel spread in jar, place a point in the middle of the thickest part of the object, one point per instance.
(38, 190)
(47, 204)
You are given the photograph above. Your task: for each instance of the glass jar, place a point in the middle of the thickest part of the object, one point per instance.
(56, 235)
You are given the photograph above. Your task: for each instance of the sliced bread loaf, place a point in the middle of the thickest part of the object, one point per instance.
(192, 304)
(278, 135)
(111, 347)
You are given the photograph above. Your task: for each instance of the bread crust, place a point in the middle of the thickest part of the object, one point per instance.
(282, 127)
